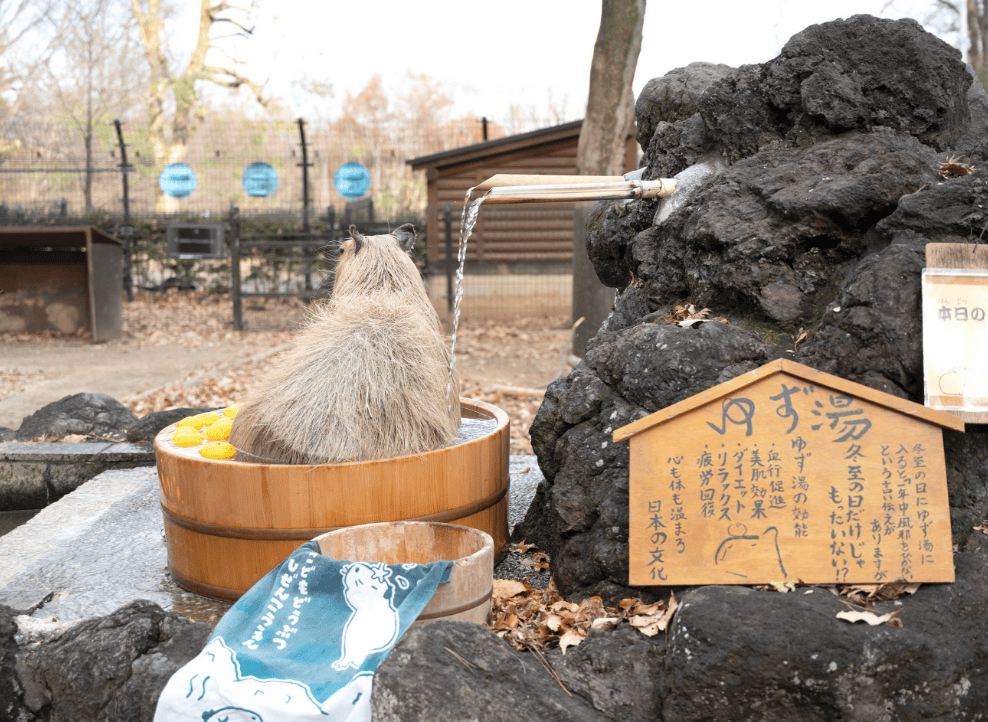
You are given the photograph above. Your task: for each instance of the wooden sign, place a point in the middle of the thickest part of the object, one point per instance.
(786, 474)
(955, 329)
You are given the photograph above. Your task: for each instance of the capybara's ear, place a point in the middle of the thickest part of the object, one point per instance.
(405, 235)
(358, 240)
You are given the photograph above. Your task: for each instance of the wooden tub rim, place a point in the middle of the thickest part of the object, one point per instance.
(487, 539)
(474, 406)
(486, 548)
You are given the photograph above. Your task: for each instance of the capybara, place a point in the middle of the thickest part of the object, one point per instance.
(367, 378)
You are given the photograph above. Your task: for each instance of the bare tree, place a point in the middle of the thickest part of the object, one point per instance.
(977, 35)
(601, 148)
(183, 86)
(20, 65)
(610, 106)
(92, 76)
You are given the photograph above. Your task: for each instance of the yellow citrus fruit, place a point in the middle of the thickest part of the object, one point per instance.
(209, 418)
(192, 422)
(231, 411)
(217, 450)
(185, 436)
(220, 430)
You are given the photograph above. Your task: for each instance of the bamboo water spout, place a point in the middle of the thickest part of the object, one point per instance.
(505, 188)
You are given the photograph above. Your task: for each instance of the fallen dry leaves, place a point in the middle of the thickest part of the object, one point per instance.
(867, 594)
(859, 594)
(856, 595)
(688, 315)
(951, 167)
(230, 387)
(802, 336)
(13, 381)
(537, 619)
(891, 618)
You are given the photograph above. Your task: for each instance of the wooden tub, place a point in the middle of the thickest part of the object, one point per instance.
(467, 595)
(227, 524)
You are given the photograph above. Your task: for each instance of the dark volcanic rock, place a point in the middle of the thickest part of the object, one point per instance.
(673, 97)
(676, 146)
(778, 231)
(855, 74)
(737, 655)
(580, 518)
(147, 427)
(859, 74)
(610, 228)
(629, 306)
(654, 365)
(7, 434)
(731, 653)
(967, 478)
(423, 679)
(972, 141)
(818, 226)
(109, 668)
(89, 414)
(614, 675)
(11, 691)
(876, 338)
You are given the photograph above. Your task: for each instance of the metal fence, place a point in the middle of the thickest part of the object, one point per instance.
(50, 164)
(118, 188)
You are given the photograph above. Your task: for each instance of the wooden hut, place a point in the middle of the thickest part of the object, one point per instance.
(511, 234)
(64, 279)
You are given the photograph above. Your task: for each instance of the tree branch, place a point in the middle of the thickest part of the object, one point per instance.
(245, 31)
(215, 75)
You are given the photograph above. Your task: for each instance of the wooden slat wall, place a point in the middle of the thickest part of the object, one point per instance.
(506, 233)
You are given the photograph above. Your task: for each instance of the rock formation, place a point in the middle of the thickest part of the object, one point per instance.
(104, 668)
(809, 188)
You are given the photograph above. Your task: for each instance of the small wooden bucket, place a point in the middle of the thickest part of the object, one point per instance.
(466, 598)
(228, 523)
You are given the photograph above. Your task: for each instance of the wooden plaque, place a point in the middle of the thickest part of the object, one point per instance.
(787, 474)
(955, 329)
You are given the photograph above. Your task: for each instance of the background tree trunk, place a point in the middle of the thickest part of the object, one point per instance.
(608, 121)
(170, 148)
(611, 103)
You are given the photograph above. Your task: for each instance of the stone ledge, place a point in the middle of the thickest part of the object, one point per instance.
(63, 452)
(35, 474)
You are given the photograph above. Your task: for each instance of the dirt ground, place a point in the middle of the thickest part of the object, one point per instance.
(180, 349)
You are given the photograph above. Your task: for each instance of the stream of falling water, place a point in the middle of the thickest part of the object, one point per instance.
(468, 219)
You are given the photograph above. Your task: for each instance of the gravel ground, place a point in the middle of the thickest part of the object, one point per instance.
(525, 478)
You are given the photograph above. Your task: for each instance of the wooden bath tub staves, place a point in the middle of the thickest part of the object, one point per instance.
(227, 524)
(467, 595)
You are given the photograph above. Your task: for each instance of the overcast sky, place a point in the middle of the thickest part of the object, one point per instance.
(488, 55)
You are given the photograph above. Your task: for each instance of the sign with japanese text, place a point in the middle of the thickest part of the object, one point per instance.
(789, 474)
(955, 331)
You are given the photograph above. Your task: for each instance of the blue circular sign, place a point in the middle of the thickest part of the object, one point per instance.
(352, 181)
(260, 179)
(177, 180)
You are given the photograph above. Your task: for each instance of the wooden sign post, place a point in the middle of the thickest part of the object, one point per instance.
(955, 329)
(784, 474)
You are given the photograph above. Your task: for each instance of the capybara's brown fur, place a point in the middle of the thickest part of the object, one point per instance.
(366, 378)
